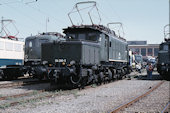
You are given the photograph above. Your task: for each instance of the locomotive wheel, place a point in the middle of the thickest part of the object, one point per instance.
(113, 74)
(100, 78)
(75, 79)
(165, 76)
(4, 77)
(109, 75)
(11, 77)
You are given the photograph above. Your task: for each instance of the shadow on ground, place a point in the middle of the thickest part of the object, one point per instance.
(143, 76)
(155, 76)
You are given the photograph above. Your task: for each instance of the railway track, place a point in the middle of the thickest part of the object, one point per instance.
(27, 94)
(22, 95)
(21, 83)
(127, 104)
(30, 93)
(34, 98)
(166, 108)
(26, 99)
(29, 100)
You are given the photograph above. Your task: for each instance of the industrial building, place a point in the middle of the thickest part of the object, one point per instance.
(144, 49)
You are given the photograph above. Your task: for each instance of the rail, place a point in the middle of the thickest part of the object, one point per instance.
(166, 108)
(20, 83)
(127, 104)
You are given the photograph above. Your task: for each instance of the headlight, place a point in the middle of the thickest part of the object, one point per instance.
(55, 71)
(50, 65)
(63, 63)
(26, 60)
(72, 62)
(162, 63)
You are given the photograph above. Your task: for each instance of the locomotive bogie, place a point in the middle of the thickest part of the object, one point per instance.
(12, 72)
(1, 73)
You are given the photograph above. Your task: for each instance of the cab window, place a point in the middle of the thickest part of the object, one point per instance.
(93, 36)
(43, 41)
(81, 36)
(165, 47)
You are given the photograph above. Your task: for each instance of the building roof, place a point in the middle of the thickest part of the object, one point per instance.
(141, 44)
(147, 45)
(137, 42)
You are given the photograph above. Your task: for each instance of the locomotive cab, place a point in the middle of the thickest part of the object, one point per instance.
(33, 46)
(83, 35)
(90, 34)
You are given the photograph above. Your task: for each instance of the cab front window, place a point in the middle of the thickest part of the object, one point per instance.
(82, 36)
(165, 47)
(93, 36)
(88, 36)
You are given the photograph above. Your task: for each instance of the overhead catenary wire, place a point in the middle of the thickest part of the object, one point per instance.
(23, 14)
(19, 12)
(31, 1)
(13, 2)
(36, 9)
(113, 10)
(114, 13)
(47, 15)
(18, 1)
(44, 13)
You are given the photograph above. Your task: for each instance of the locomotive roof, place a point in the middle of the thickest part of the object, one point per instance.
(47, 35)
(9, 37)
(52, 33)
(99, 28)
(167, 39)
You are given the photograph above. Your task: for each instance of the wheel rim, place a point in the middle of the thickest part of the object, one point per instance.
(75, 79)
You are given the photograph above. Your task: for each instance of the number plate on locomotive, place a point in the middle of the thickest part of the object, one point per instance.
(60, 60)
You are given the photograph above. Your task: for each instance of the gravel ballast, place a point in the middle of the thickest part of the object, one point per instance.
(154, 102)
(90, 100)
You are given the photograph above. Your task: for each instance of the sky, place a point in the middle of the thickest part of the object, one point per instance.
(141, 19)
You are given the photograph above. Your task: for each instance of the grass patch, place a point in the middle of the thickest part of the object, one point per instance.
(93, 85)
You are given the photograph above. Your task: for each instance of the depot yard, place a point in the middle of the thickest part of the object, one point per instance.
(92, 99)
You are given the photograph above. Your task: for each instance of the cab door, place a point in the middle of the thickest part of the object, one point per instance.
(107, 47)
(104, 53)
